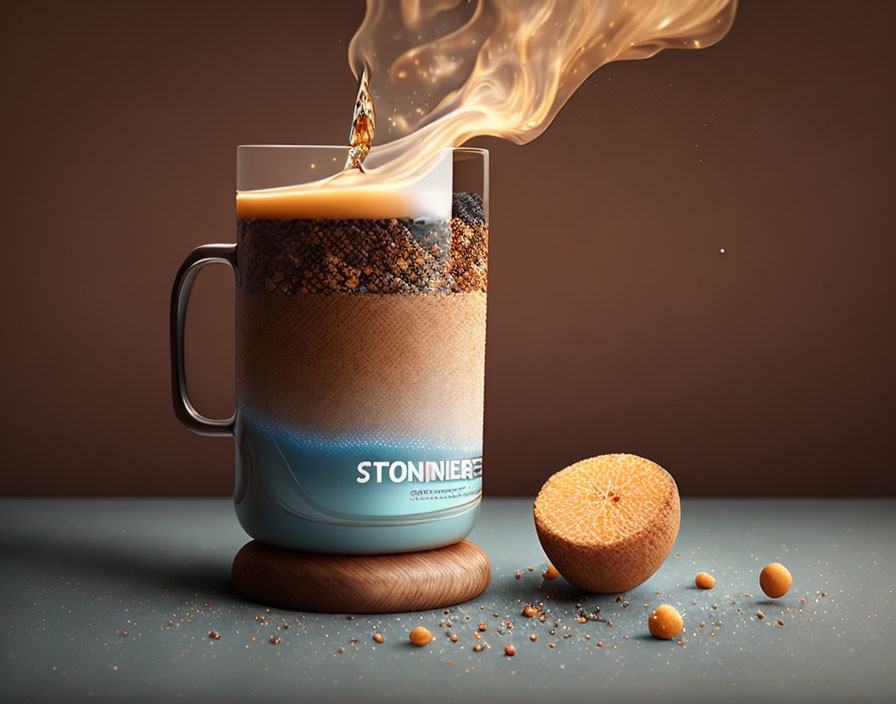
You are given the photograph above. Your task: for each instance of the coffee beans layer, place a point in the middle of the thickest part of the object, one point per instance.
(367, 256)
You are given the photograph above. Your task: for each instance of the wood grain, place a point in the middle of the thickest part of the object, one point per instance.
(361, 584)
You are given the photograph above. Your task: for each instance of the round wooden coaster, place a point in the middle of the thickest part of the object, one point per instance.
(361, 584)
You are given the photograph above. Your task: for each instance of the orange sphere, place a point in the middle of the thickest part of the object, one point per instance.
(665, 622)
(421, 636)
(775, 580)
(705, 580)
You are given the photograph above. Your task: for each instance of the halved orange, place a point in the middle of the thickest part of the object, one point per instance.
(607, 523)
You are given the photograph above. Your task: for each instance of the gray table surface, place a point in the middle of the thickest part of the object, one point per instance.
(115, 599)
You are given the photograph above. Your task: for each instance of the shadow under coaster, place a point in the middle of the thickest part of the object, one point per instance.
(361, 584)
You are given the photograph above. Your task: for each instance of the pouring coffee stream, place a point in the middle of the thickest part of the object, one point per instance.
(363, 125)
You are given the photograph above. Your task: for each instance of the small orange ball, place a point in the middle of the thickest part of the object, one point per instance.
(421, 636)
(775, 580)
(705, 580)
(665, 622)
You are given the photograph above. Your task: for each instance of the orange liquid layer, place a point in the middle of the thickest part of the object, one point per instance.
(369, 202)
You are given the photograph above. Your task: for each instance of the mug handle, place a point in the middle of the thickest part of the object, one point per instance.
(180, 298)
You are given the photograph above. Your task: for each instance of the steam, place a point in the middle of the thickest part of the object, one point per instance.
(445, 71)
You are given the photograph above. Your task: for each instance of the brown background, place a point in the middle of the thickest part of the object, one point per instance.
(615, 323)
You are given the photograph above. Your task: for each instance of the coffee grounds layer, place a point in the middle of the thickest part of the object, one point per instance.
(367, 256)
(365, 369)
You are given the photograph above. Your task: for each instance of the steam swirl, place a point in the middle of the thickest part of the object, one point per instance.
(445, 71)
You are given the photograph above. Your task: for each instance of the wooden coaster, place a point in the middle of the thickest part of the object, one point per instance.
(361, 584)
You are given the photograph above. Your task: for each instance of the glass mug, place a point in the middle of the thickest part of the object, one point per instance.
(360, 356)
